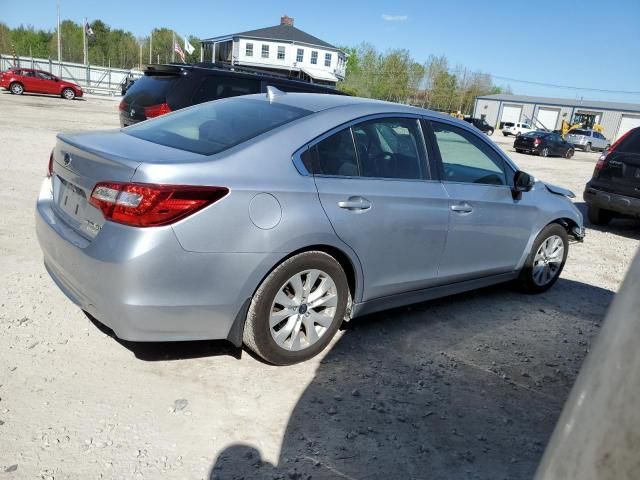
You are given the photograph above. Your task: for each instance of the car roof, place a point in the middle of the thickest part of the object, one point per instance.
(317, 102)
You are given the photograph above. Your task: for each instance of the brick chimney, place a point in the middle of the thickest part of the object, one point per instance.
(286, 20)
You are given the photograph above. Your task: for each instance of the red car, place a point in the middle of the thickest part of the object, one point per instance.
(19, 80)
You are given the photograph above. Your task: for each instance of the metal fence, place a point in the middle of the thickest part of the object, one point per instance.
(92, 78)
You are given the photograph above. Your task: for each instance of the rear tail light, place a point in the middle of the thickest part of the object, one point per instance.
(603, 160)
(156, 110)
(537, 142)
(149, 205)
(50, 166)
(122, 106)
(601, 163)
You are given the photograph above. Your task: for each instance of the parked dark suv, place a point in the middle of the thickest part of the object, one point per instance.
(614, 188)
(481, 124)
(165, 88)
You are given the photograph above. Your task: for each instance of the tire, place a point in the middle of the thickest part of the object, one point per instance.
(489, 132)
(544, 152)
(68, 94)
(260, 331)
(569, 153)
(544, 263)
(599, 216)
(587, 147)
(518, 150)
(16, 88)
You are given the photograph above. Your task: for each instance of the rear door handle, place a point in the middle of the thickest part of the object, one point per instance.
(462, 208)
(355, 204)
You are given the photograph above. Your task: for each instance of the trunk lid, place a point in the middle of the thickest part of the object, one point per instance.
(621, 173)
(82, 160)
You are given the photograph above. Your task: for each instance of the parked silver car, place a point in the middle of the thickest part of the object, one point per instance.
(267, 220)
(587, 139)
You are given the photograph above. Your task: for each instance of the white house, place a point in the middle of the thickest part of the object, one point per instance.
(283, 49)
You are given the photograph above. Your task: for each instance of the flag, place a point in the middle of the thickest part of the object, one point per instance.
(89, 31)
(188, 47)
(178, 50)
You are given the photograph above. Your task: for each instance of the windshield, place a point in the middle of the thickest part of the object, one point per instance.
(212, 127)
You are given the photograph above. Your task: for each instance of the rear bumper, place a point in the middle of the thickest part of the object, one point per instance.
(612, 201)
(527, 148)
(142, 284)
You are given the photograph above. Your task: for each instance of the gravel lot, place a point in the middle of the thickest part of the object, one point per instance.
(464, 387)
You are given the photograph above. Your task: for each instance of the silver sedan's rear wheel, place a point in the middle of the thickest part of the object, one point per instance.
(546, 259)
(303, 310)
(297, 309)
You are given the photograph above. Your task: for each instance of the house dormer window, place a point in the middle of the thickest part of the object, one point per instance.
(300, 55)
(280, 53)
(249, 50)
(314, 57)
(265, 51)
(327, 59)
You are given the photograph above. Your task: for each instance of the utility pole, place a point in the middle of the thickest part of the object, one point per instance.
(84, 40)
(140, 55)
(151, 47)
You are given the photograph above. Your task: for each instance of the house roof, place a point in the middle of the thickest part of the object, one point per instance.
(586, 104)
(287, 33)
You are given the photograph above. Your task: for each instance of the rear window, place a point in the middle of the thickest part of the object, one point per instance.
(508, 124)
(578, 132)
(151, 89)
(535, 134)
(210, 128)
(631, 143)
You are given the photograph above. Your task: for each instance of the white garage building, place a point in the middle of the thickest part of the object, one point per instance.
(548, 113)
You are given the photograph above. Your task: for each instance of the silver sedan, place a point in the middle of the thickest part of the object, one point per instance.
(268, 220)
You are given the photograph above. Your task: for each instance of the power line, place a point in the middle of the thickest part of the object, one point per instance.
(568, 87)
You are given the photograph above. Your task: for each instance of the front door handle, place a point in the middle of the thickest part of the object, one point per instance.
(462, 208)
(355, 204)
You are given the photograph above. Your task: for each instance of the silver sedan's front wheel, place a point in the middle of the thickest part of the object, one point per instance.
(548, 259)
(303, 309)
(297, 309)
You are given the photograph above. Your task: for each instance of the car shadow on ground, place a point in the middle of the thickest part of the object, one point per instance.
(468, 386)
(622, 226)
(167, 351)
(41, 95)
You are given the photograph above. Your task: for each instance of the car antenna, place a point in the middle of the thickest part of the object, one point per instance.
(273, 92)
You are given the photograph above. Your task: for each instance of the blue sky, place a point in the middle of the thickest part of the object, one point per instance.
(593, 44)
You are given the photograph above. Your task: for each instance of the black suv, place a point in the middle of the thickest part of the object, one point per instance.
(165, 88)
(614, 188)
(481, 124)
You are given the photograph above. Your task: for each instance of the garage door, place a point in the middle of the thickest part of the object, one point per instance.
(627, 123)
(511, 113)
(547, 118)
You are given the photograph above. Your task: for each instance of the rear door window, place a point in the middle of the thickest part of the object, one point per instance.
(210, 129)
(390, 148)
(335, 155)
(215, 87)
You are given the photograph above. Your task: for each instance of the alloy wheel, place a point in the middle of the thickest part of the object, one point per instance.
(17, 89)
(545, 152)
(548, 260)
(303, 309)
(68, 94)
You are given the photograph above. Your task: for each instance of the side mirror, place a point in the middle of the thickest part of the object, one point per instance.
(522, 182)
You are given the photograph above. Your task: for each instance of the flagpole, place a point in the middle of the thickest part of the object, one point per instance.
(150, 47)
(173, 48)
(84, 39)
(59, 43)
